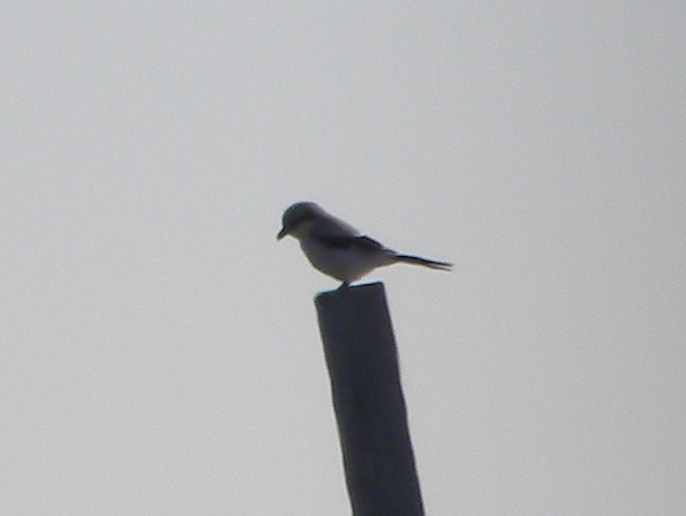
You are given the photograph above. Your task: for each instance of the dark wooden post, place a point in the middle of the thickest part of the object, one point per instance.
(370, 409)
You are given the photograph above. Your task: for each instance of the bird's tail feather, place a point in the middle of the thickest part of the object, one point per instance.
(418, 260)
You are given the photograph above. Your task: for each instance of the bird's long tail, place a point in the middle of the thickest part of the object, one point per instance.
(418, 260)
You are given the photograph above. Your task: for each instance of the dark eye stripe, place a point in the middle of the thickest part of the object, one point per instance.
(303, 218)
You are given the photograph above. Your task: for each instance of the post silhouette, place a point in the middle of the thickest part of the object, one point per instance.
(362, 360)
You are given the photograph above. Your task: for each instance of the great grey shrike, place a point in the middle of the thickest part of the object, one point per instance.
(339, 250)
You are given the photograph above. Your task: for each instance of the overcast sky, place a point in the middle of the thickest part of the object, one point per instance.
(159, 352)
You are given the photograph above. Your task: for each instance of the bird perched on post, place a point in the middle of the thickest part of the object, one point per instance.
(339, 250)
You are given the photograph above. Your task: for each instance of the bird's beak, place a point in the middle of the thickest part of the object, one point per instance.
(281, 234)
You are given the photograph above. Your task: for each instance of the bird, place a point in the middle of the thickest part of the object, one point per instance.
(337, 249)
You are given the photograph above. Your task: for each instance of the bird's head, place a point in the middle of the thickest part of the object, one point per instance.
(297, 214)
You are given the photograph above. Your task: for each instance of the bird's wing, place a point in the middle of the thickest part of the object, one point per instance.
(361, 243)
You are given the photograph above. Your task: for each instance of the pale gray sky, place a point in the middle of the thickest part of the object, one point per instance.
(158, 348)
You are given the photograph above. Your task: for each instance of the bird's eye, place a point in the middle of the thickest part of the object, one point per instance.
(300, 219)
